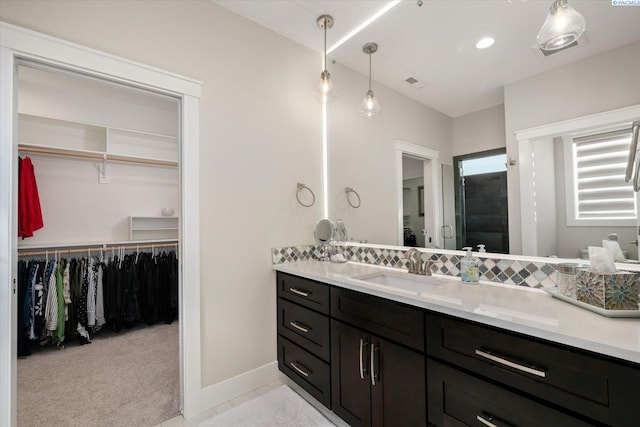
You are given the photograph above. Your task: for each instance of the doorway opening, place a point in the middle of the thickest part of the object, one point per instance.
(419, 195)
(413, 202)
(481, 201)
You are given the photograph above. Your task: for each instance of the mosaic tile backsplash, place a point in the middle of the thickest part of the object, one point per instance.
(511, 272)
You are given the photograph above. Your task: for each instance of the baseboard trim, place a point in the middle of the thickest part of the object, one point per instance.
(223, 391)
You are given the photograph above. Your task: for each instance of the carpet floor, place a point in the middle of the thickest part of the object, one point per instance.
(126, 379)
(281, 407)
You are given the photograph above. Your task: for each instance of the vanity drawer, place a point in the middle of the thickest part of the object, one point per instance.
(568, 378)
(311, 294)
(459, 399)
(308, 329)
(387, 319)
(306, 370)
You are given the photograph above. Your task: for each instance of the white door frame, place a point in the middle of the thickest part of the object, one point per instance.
(432, 173)
(17, 43)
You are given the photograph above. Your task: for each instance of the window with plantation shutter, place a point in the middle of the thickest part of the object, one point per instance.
(600, 194)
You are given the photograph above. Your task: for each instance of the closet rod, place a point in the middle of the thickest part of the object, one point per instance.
(97, 156)
(98, 249)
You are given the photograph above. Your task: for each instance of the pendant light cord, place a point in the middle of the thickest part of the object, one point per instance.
(369, 70)
(325, 45)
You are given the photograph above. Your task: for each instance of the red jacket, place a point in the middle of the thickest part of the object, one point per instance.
(29, 212)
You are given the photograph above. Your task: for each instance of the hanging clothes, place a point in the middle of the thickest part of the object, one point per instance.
(62, 300)
(29, 211)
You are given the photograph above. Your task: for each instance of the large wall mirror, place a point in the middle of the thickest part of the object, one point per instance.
(571, 85)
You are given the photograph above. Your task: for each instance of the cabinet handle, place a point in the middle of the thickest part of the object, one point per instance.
(299, 292)
(374, 375)
(301, 371)
(299, 326)
(509, 363)
(490, 421)
(363, 369)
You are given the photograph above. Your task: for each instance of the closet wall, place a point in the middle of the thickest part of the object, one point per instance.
(81, 202)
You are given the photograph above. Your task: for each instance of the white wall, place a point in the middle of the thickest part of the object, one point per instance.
(481, 130)
(76, 208)
(545, 190)
(260, 134)
(600, 83)
(362, 156)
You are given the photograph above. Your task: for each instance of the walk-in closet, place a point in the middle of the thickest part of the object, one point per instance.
(98, 256)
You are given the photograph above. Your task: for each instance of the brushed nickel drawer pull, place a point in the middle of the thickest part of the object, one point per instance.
(503, 361)
(294, 365)
(487, 422)
(299, 292)
(362, 344)
(373, 372)
(299, 326)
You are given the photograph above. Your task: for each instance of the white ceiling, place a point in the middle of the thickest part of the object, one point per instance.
(435, 43)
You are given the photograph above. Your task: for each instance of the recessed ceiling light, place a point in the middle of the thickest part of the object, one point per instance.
(485, 42)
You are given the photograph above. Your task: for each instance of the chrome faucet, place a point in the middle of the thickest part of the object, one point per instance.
(416, 266)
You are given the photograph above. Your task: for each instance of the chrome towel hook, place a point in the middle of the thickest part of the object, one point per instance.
(313, 196)
(348, 191)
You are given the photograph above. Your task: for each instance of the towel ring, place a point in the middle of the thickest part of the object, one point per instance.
(313, 196)
(348, 190)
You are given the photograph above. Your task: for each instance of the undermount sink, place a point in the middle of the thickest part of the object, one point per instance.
(402, 281)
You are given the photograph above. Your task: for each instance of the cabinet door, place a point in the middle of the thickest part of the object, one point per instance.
(398, 387)
(350, 381)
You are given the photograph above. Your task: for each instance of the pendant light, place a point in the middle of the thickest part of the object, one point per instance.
(325, 92)
(562, 27)
(370, 106)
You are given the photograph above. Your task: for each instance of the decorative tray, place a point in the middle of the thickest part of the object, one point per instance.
(608, 313)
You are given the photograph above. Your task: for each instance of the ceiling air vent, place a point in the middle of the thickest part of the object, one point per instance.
(414, 83)
(545, 53)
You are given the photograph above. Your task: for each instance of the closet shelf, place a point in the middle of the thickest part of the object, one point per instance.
(99, 125)
(97, 155)
(144, 227)
(93, 245)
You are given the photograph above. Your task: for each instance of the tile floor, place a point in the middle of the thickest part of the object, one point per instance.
(179, 421)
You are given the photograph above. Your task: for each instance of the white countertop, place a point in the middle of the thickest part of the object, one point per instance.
(525, 310)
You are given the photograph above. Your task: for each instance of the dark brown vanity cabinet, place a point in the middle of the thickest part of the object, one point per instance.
(377, 362)
(303, 334)
(375, 381)
(517, 380)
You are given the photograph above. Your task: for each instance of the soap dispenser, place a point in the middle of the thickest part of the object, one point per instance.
(481, 248)
(469, 271)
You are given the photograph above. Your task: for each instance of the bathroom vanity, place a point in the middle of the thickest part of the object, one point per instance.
(449, 354)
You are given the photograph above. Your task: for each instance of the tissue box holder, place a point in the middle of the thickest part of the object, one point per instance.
(611, 291)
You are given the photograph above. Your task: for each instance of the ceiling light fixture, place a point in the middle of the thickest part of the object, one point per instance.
(370, 106)
(325, 92)
(562, 27)
(485, 42)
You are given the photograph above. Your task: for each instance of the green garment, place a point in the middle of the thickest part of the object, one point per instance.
(58, 337)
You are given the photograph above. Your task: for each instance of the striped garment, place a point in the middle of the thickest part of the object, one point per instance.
(51, 306)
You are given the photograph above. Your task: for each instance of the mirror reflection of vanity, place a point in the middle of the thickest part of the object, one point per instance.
(362, 153)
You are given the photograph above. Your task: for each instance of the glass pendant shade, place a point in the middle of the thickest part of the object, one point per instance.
(370, 105)
(562, 27)
(325, 91)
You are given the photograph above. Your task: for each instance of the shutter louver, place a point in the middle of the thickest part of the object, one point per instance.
(601, 161)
